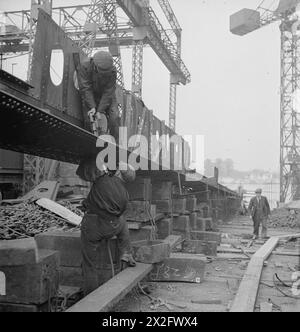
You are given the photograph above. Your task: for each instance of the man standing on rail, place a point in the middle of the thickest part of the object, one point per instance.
(97, 83)
(105, 205)
(259, 209)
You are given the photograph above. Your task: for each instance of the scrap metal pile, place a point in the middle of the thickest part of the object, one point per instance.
(284, 217)
(28, 219)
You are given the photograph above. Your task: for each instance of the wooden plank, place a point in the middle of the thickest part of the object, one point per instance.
(60, 210)
(247, 293)
(265, 251)
(108, 295)
(46, 189)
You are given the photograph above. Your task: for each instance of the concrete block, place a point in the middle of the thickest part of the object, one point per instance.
(150, 252)
(180, 267)
(206, 236)
(208, 248)
(191, 204)
(164, 228)
(162, 190)
(163, 206)
(140, 190)
(29, 284)
(18, 252)
(179, 205)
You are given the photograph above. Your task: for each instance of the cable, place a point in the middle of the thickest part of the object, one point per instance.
(282, 292)
(110, 258)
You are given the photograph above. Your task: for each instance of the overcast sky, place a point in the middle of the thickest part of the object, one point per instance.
(234, 97)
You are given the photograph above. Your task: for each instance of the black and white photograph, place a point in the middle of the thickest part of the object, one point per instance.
(149, 159)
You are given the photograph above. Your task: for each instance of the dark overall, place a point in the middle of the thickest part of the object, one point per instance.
(98, 90)
(105, 205)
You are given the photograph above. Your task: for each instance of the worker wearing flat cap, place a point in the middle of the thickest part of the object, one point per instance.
(259, 209)
(97, 82)
(104, 206)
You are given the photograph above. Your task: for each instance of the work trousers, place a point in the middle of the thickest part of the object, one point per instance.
(93, 232)
(260, 220)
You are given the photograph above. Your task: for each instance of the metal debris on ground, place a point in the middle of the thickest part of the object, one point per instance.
(28, 219)
(284, 217)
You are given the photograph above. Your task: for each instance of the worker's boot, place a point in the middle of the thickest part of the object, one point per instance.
(128, 260)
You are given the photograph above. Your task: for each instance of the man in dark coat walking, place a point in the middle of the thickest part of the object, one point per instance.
(259, 209)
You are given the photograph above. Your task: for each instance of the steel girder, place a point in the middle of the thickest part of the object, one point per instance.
(290, 111)
(137, 68)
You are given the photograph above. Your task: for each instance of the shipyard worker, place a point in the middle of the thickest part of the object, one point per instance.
(103, 220)
(97, 82)
(259, 209)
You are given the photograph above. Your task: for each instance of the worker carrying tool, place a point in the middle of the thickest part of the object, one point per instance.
(97, 83)
(104, 206)
(259, 209)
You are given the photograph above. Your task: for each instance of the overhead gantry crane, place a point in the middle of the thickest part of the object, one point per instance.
(288, 14)
(95, 26)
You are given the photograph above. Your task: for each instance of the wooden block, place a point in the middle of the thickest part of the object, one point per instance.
(150, 252)
(107, 296)
(18, 252)
(181, 224)
(200, 225)
(173, 241)
(208, 248)
(71, 276)
(209, 224)
(142, 234)
(162, 190)
(140, 211)
(191, 204)
(164, 228)
(134, 225)
(179, 205)
(180, 267)
(140, 190)
(163, 206)
(206, 236)
(193, 219)
(29, 284)
(68, 244)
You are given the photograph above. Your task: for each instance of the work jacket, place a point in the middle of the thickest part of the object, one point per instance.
(259, 209)
(108, 198)
(97, 87)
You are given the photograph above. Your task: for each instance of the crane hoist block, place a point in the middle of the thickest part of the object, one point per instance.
(244, 21)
